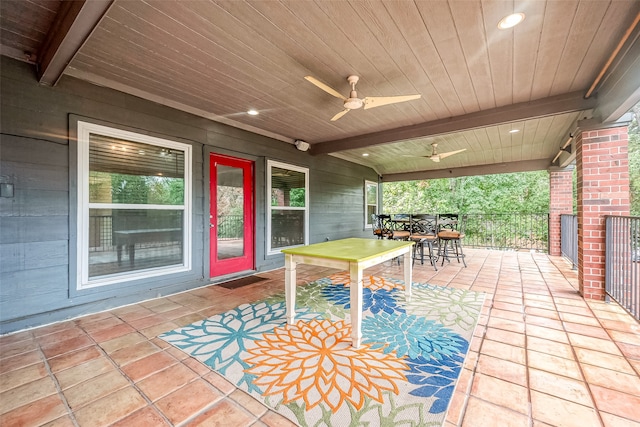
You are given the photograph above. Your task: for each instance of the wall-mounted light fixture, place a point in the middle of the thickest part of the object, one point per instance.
(301, 145)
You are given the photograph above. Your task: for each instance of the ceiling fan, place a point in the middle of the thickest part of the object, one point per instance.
(353, 102)
(437, 157)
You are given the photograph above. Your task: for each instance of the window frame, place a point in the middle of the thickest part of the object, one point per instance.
(83, 281)
(270, 165)
(367, 218)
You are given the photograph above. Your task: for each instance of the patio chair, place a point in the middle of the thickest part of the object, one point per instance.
(400, 226)
(424, 232)
(381, 226)
(450, 235)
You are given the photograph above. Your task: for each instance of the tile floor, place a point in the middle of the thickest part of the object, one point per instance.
(541, 356)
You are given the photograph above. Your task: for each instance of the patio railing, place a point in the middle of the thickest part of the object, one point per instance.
(622, 262)
(511, 231)
(569, 238)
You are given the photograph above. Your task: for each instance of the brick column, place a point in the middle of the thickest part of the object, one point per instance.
(560, 202)
(603, 189)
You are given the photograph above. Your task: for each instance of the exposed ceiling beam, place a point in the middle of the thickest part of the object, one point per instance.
(620, 90)
(560, 104)
(74, 23)
(495, 168)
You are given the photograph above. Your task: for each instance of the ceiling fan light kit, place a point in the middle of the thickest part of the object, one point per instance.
(353, 102)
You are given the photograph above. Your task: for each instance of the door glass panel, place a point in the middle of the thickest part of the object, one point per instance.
(230, 223)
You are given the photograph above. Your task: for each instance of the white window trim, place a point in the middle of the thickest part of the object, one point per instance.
(367, 183)
(83, 281)
(270, 165)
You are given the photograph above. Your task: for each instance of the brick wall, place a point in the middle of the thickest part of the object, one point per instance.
(560, 202)
(603, 189)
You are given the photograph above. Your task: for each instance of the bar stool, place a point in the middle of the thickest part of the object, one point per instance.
(450, 235)
(423, 232)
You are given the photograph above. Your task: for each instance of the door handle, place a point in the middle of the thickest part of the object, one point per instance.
(211, 225)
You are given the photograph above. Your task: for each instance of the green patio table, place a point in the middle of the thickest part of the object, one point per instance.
(353, 255)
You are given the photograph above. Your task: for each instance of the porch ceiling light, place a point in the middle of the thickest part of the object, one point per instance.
(511, 20)
(253, 112)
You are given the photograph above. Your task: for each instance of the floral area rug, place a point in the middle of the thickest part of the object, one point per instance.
(403, 374)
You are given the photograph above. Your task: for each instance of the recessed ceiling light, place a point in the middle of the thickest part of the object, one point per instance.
(514, 131)
(511, 21)
(253, 112)
(365, 154)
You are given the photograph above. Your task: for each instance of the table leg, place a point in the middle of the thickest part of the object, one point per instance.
(355, 275)
(290, 287)
(407, 275)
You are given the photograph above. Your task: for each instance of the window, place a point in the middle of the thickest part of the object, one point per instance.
(288, 212)
(134, 206)
(370, 202)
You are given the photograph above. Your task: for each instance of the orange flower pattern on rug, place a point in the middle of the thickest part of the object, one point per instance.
(314, 361)
(372, 282)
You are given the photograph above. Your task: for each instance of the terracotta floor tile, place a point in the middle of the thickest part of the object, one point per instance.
(506, 324)
(35, 413)
(146, 322)
(599, 344)
(542, 312)
(508, 306)
(232, 414)
(197, 366)
(64, 421)
(127, 340)
(545, 322)
(610, 420)
(20, 347)
(249, 403)
(560, 412)
(111, 408)
(154, 331)
(26, 393)
(55, 327)
(630, 351)
(550, 363)
(501, 393)
(556, 385)
(613, 380)
(626, 326)
(592, 331)
(67, 346)
(110, 333)
(164, 382)
(455, 410)
(615, 402)
(503, 369)
(188, 400)
(27, 335)
(546, 333)
(480, 414)
(94, 389)
(92, 318)
(273, 419)
(500, 335)
(145, 417)
(625, 337)
(550, 347)
(22, 376)
(578, 319)
(148, 365)
(63, 335)
(132, 353)
(503, 351)
(20, 361)
(132, 312)
(604, 360)
(72, 359)
(106, 322)
(219, 382)
(80, 373)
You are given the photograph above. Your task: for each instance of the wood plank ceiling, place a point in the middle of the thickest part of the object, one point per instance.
(218, 59)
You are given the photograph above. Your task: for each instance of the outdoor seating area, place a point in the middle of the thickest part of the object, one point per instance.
(442, 234)
(541, 355)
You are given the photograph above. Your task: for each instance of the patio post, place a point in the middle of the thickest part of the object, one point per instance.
(560, 202)
(603, 189)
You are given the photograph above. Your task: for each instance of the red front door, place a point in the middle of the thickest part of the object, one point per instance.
(231, 220)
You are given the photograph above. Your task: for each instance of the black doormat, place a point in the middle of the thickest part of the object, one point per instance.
(244, 281)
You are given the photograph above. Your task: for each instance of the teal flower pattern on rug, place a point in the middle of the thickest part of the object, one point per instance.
(404, 373)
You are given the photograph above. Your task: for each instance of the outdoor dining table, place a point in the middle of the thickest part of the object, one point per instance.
(353, 255)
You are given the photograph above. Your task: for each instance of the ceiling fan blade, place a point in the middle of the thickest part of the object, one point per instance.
(340, 114)
(325, 88)
(450, 153)
(379, 101)
(435, 158)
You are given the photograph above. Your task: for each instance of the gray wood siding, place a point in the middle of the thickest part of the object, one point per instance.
(38, 226)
